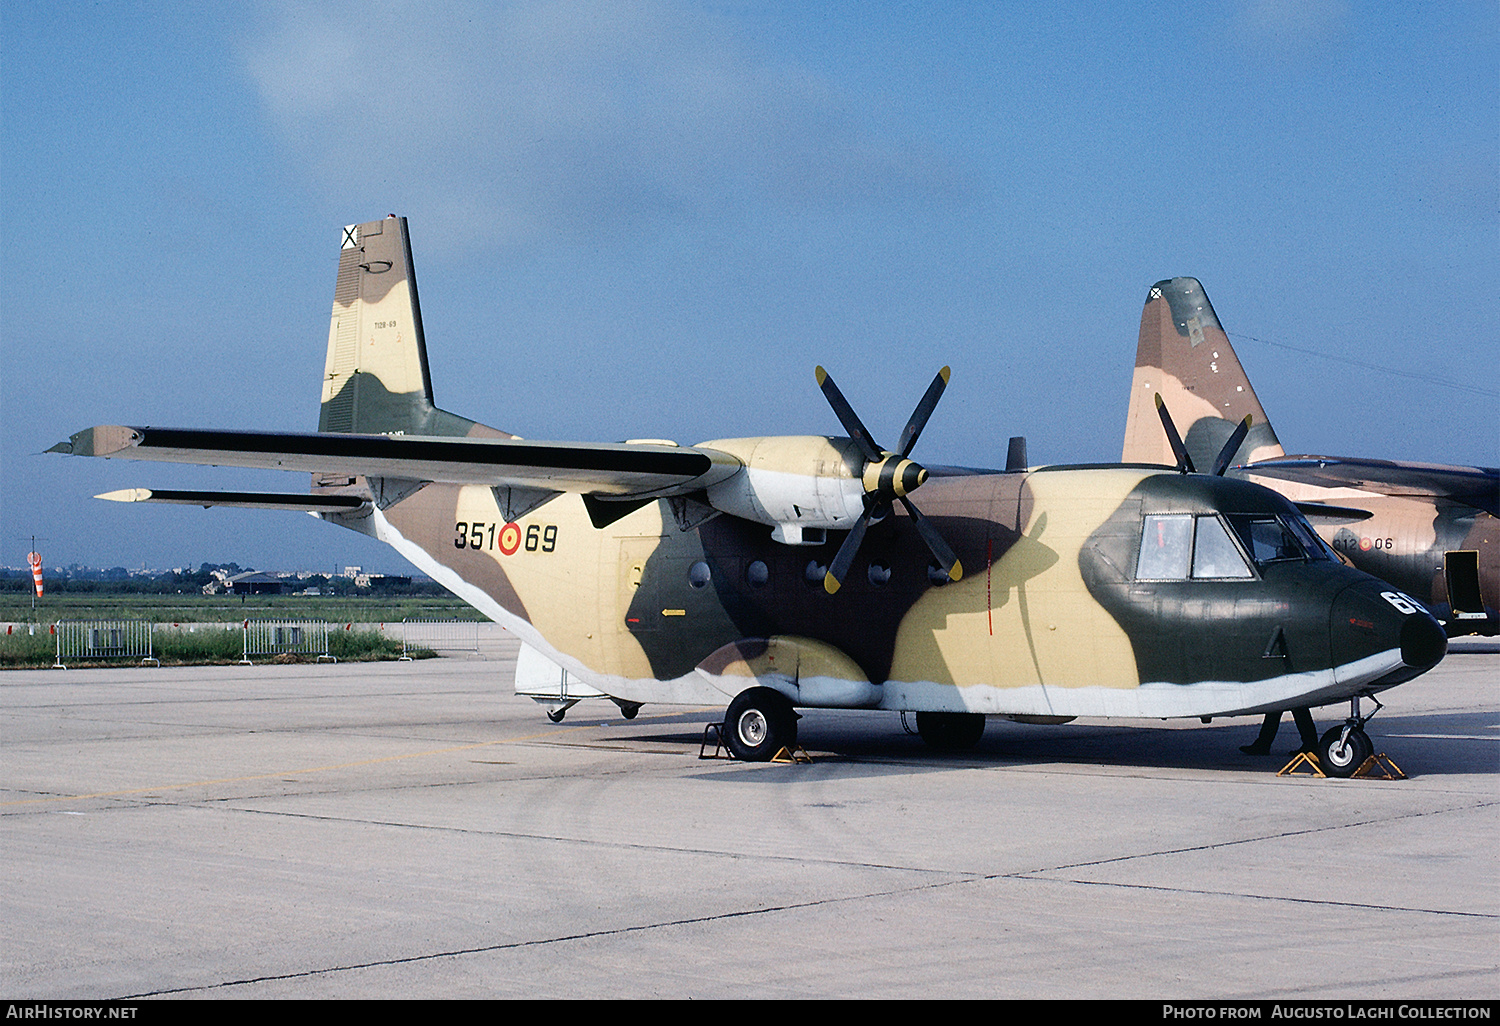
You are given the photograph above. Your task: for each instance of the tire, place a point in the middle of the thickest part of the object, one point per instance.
(950, 732)
(1342, 760)
(760, 722)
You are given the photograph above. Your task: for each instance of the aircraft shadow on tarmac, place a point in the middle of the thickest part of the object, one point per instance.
(1426, 745)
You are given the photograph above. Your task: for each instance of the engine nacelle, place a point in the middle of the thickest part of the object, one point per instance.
(801, 485)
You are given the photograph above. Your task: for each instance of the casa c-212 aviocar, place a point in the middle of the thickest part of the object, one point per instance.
(782, 573)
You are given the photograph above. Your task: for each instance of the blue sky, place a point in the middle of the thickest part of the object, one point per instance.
(653, 219)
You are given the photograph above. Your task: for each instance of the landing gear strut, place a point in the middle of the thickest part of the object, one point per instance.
(1342, 750)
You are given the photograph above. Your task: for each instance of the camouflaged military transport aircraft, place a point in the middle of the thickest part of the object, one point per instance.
(785, 572)
(1430, 530)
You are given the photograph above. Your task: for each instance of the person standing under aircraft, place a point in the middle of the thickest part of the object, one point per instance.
(1301, 715)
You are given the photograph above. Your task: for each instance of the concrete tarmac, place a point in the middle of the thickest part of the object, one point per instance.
(413, 830)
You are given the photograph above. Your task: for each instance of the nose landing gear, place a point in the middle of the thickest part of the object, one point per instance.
(1342, 750)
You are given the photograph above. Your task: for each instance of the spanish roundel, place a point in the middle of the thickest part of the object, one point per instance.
(510, 539)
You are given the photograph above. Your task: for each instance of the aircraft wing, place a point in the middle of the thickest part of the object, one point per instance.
(615, 470)
(1474, 486)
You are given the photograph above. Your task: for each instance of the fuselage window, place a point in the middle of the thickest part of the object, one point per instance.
(699, 575)
(1175, 546)
(757, 574)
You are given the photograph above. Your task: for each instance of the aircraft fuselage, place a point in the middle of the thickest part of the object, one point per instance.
(1051, 618)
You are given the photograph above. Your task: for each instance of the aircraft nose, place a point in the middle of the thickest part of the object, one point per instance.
(1370, 620)
(1423, 642)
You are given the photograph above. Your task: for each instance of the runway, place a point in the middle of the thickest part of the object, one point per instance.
(414, 830)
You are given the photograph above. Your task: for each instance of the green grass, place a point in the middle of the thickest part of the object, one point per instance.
(214, 643)
(230, 608)
(210, 644)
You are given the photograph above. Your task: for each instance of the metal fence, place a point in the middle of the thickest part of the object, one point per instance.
(286, 637)
(439, 636)
(103, 639)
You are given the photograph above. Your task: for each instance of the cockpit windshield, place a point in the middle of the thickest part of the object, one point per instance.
(1180, 546)
(1271, 538)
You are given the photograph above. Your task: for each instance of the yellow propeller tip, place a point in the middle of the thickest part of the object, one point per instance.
(957, 572)
(820, 374)
(830, 584)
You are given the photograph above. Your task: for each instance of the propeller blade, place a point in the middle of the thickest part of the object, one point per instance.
(1226, 454)
(847, 416)
(922, 412)
(834, 578)
(1184, 461)
(939, 548)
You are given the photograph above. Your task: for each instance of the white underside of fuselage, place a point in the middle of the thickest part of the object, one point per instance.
(1150, 700)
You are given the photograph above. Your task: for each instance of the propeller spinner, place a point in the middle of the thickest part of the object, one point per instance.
(887, 477)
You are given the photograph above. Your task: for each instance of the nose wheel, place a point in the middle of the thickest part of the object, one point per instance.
(1342, 750)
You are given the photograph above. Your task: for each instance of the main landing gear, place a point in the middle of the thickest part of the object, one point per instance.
(760, 722)
(1342, 750)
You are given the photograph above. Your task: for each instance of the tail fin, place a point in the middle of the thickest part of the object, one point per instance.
(376, 379)
(1184, 355)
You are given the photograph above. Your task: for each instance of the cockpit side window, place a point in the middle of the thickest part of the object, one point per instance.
(1316, 549)
(1214, 554)
(1166, 548)
(1175, 546)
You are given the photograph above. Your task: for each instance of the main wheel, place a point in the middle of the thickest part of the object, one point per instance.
(1342, 759)
(759, 723)
(950, 732)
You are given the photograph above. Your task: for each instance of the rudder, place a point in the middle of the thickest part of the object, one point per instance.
(1184, 354)
(376, 379)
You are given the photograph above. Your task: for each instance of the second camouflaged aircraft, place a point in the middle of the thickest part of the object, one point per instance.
(1428, 529)
(797, 572)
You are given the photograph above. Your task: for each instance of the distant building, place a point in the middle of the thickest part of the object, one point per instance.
(381, 581)
(255, 583)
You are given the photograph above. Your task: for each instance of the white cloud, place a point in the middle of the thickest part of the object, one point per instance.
(576, 118)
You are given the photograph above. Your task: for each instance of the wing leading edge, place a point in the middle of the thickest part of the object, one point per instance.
(614, 470)
(1473, 486)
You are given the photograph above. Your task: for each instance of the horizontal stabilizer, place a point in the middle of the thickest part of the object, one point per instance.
(1322, 511)
(616, 469)
(243, 500)
(1473, 486)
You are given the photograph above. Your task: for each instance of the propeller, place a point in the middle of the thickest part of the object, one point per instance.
(887, 477)
(1184, 461)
